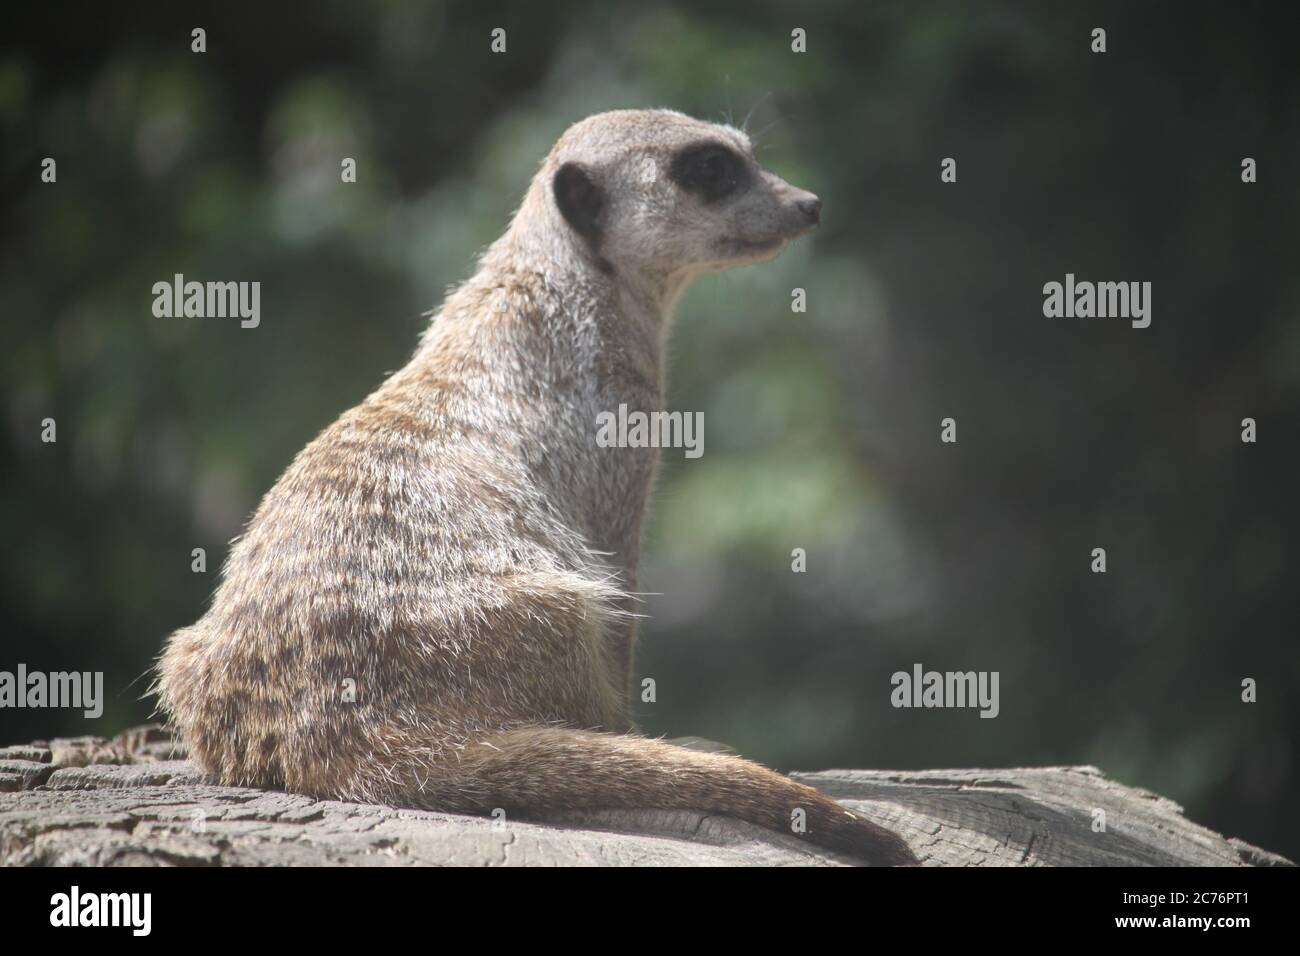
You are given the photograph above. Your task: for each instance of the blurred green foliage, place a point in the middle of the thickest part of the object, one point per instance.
(822, 428)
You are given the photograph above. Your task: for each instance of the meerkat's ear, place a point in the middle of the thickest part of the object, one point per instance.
(579, 198)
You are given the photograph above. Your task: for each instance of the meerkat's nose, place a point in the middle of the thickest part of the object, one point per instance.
(812, 208)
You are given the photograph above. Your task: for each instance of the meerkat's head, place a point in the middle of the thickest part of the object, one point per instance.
(661, 195)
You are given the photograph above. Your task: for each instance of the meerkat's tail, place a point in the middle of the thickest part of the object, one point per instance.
(531, 771)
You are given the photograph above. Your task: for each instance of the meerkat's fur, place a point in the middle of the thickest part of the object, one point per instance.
(459, 552)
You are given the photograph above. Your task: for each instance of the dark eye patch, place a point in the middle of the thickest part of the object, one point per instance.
(710, 170)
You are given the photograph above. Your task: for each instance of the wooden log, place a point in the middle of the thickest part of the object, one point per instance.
(133, 801)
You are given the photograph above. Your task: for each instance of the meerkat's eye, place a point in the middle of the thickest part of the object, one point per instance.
(710, 170)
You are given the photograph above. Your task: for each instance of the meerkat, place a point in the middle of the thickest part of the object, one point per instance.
(433, 606)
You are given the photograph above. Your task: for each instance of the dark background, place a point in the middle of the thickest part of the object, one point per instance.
(822, 429)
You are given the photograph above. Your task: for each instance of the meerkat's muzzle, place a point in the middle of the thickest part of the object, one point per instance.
(811, 208)
(774, 217)
(807, 209)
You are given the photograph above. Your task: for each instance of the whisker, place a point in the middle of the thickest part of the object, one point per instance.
(757, 103)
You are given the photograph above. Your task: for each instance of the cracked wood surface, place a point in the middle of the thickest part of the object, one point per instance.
(128, 801)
